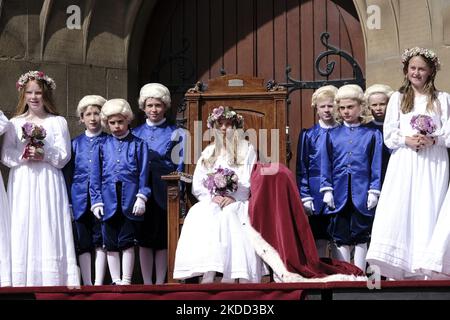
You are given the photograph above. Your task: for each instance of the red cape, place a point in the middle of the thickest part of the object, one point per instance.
(276, 212)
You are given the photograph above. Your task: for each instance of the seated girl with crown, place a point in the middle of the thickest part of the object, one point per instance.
(213, 239)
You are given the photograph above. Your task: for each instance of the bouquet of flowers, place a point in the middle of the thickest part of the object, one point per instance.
(221, 182)
(423, 123)
(34, 134)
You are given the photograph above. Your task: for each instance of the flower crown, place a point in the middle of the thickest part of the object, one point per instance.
(35, 75)
(220, 113)
(427, 53)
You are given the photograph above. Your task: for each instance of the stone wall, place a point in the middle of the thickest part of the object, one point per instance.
(99, 56)
(404, 24)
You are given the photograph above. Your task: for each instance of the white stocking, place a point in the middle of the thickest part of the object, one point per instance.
(114, 265)
(343, 253)
(360, 256)
(85, 266)
(146, 261)
(161, 266)
(100, 266)
(127, 265)
(322, 247)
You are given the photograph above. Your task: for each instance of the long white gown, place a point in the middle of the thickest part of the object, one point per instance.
(436, 260)
(42, 246)
(5, 223)
(412, 193)
(215, 239)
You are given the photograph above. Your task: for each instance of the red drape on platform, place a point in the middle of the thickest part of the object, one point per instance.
(276, 212)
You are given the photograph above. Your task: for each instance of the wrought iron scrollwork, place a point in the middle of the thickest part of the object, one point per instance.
(358, 77)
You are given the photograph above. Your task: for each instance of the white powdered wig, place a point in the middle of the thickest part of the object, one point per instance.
(114, 107)
(350, 91)
(90, 100)
(324, 92)
(156, 91)
(378, 88)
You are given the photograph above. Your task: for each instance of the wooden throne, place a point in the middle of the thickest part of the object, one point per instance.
(264, 111)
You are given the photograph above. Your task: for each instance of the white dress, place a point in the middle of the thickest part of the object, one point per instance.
(5, 224)
(436, 260)
(42, 246)
(412, 193)
(215, 239)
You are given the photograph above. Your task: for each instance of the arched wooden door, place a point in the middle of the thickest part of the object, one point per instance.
(188, 41)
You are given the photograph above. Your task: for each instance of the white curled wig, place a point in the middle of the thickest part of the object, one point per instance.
(350, 91)
(324, 92)
(115, 107)
(156, 91)
(378, 88)
(90, 100)
(353, 92)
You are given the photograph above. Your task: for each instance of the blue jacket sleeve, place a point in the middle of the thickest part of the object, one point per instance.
(377, 162)
(326, 164)
(95, 186)
(303, 165)
(144, 170)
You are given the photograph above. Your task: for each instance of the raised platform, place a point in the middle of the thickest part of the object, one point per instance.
(389, 290)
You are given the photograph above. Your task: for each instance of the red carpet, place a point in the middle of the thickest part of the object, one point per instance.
(266, 291)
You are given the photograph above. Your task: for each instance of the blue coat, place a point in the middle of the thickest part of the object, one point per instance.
(386, 151)
(308, 165)
(120, 160)
(354, 152)
(160, 144)
(78, 171)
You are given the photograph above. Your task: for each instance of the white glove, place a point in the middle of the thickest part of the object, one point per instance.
(98, 212)
(372, 200)
(309, 207)
(139, 207)
(329, 199)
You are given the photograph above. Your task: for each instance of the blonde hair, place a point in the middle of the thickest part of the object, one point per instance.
(47, 97)
(232, 147)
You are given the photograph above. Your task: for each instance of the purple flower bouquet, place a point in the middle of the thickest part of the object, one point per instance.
(34, 134)
(423, 123)
(221, 182)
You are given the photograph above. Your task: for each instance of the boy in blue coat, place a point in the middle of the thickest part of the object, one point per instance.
(377, 97)
(77, 172)
(351, 176)
(308, 165)
(165, 148)
(119, 188)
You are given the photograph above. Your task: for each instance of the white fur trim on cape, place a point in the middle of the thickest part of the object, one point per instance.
(270, 256)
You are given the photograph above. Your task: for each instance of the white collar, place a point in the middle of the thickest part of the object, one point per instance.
(123, 136)
(352, 125)
(326, 126)
(92, 135)
(154, 124)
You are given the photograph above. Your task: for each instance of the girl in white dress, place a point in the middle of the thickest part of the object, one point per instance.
(42, 247)
(5, 224)
(213, 238)
(417, 174)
